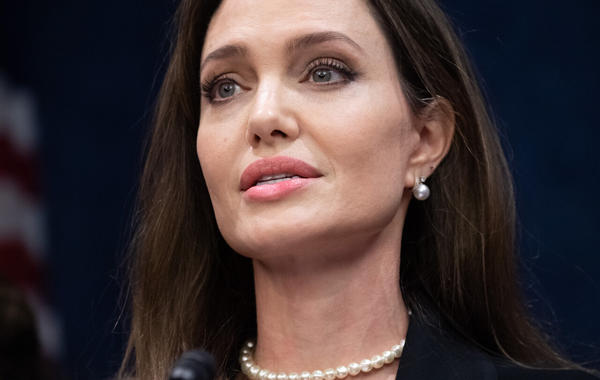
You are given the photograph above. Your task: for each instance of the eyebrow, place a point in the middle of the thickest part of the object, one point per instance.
(298, 43)
(310, 39)
(224, 52)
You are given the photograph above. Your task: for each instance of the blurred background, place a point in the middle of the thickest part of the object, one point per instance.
(78, 81)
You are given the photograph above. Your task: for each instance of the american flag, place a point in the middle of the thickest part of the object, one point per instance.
(22, 238)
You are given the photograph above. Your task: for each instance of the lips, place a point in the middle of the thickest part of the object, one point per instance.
(280, 167)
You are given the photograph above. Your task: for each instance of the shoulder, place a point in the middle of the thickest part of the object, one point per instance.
(434, 352)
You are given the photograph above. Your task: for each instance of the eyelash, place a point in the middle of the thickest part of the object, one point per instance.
(331, 63)
(208, 86)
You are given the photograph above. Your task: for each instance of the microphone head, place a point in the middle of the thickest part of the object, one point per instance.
(194, 365)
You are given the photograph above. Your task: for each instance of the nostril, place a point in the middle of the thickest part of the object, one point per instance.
(277, 132)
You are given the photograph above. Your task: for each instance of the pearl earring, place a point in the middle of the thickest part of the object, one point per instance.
(421, 191)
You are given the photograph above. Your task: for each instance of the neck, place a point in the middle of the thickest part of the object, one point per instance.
(316, 313)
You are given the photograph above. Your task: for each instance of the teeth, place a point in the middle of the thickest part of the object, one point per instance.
(274, 176)
(275, 180)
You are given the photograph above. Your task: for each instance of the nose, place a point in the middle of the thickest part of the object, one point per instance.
(271, 120)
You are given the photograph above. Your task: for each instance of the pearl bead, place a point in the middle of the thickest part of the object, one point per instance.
(377, 361)
(341, 372)
(353, 369)
(329, 374)
(262, 375)
(397, 350)
(366, 365)
(421, 192)
(254, 372)
(388, 357)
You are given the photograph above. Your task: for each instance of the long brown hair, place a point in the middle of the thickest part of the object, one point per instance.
(189, 289)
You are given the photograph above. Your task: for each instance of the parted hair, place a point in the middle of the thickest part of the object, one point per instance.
(187, 288)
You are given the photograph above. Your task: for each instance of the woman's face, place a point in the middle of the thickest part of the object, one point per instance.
(305, 136)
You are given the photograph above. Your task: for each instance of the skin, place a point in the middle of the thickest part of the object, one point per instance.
(326, 257)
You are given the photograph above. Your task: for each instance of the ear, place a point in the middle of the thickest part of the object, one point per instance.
(435, 128)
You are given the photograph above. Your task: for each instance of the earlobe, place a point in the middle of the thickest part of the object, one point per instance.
(436, 124)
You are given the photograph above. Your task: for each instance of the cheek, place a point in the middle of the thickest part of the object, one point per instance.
(372, 136)
(217, 162)
(368, 144)
(216, 167)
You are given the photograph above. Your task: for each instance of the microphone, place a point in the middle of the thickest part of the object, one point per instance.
(194, 365)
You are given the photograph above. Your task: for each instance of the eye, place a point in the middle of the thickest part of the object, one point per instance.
(328, 71)
(226, 89)
(220, 89)
(324, 75)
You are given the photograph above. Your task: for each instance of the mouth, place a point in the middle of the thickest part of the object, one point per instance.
(271, 179)
(273, 170)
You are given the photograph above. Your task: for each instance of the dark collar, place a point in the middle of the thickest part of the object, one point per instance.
(434, 352)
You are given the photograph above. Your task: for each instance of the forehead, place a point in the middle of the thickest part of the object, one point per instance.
(271, 22)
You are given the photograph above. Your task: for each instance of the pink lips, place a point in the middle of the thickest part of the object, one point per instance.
(303, 172)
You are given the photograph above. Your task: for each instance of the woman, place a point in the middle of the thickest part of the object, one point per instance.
(290, 222)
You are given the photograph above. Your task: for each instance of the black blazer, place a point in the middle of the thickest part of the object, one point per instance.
(434, 352)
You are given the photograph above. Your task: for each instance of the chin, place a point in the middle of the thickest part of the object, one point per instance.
(261, 239)
(261, 231)
(272, 240)
(302, 228)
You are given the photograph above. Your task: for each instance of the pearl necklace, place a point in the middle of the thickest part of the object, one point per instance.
(254, 372)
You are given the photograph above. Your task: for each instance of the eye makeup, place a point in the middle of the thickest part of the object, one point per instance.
(212, 88)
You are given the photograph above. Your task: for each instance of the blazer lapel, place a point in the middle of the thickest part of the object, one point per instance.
(432, 352)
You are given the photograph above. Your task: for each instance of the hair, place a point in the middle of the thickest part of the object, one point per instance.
(190, 289)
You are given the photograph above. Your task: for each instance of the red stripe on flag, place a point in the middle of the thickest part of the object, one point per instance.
(17, 266)
(21, 167)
